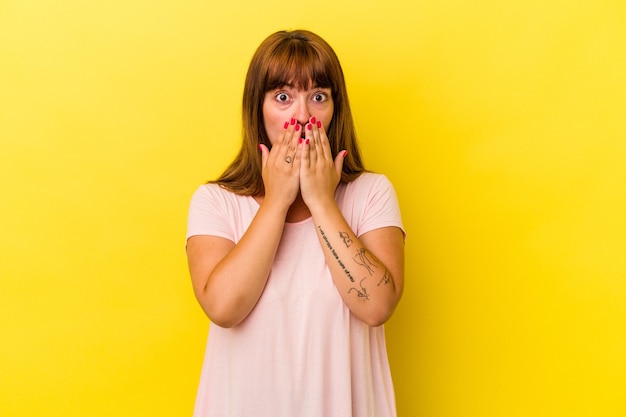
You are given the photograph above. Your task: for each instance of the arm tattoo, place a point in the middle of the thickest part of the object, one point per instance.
(364, 258)
(386, 279)
(346, 239)
(362, 293)
(332, 251)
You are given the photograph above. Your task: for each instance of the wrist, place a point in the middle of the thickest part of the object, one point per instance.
(320, 207)
(278, 206)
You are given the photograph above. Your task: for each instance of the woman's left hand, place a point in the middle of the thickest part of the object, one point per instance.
(319, 172)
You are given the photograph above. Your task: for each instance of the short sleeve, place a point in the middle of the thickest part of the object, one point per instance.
(368, 203)
(209, 214)
(381, 208)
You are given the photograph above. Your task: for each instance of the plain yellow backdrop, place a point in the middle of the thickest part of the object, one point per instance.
(501, 124)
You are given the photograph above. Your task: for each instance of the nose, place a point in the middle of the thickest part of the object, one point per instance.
(301, 112)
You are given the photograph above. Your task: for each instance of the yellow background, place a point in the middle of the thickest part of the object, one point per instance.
(501, 124)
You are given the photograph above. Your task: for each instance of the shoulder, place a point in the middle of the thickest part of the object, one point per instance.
(217, 211)
(368, 182)
(211, 193)
(211, 189)
(369, 202)
(214, 200)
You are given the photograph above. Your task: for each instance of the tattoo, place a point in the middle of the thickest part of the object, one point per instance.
(387, 278)
(363, 258)
(332, 251)
(362, 293)
(346, 239)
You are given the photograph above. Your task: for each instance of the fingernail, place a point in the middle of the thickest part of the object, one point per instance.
(313, 119)
(297, 127)
(345, 153)
(293, 121)
(286, 125)
(319, 125)
(308, 126)
(260, 148)
(307, 142)
(300, 141)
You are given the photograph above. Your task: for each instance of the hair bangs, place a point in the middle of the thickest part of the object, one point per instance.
(297, 65)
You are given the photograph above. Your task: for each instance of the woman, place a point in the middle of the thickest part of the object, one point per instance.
(296, 253)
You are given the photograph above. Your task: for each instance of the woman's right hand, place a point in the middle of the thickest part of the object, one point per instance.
(281, 165)
(229, 278)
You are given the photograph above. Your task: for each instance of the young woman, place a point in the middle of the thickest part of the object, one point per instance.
(296, 252)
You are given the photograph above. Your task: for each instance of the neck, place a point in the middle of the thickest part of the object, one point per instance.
(298, 211)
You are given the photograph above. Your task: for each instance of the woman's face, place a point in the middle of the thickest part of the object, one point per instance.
(284, 103)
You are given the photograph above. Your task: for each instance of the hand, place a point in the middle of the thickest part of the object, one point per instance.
(281, 165)
(319, 172)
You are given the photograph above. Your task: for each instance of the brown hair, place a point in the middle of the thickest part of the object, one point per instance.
(300, 58)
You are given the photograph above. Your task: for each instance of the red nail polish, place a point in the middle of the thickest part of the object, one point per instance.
(297, 127)
(286, 125)
(293, 121)
(345, 153)
(313, 120)
(260, 148)
(307, 142)
(308, 126)
(319, 125)
(300, 141)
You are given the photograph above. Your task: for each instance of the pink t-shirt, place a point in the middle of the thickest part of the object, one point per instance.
(300, 352)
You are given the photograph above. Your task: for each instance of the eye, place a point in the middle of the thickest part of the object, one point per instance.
(282, 97)
(320, 97)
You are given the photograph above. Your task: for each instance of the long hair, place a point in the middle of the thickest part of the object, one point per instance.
(302, 59)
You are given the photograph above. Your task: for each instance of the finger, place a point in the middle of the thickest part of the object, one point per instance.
(264, 154)
(318, 140)
(302, 153)
(341, 156)
(288, 128)
(309, 142)
(295, 138)
(288, 149)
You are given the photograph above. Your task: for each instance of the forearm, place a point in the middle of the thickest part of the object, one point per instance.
(236, 283)
(365, 283)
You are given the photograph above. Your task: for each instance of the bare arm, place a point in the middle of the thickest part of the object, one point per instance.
(228, 279)
(368, 272)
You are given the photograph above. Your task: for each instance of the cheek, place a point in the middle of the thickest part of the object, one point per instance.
(268, 124)
(272, 128)
(328, 115)
(327, 118)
